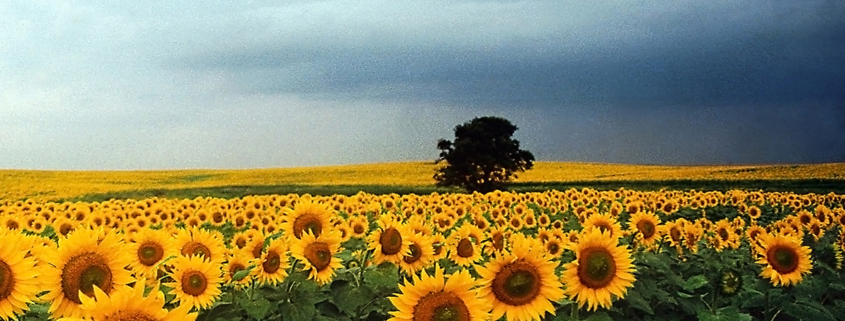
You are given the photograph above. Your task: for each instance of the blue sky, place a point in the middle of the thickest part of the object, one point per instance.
(227, 84)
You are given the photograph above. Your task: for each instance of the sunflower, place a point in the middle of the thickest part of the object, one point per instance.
(438, 245)
(274, 263)
(496, 240)
(673, 232)
(129, 303)
(754, 212)
(521, 284)
(421, 254)
(604, 222)
(19, 285)
(196, 281)
(554, 247)
(646, 225)
(194, 241)
(359, 225)
(255, 245)
(317, 253)
(148, 248)
(389, 242)
(464, 247)
(691, 235)
(239, 240)
(601, 268)
(439, 298)
(238, 260)
(306, 215)
(83, 259)
(784, 260)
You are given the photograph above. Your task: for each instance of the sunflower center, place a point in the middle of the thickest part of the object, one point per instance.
(723, 233)
(272, 262)
(319, 255)
(553, 248)
(235, 268)
(256, 250)
(498, 241)
(441, 306)
(307, 222)
(465, 248)
(675, 233)
(517, 283)
(647, 228)
(358, 229)
(416, 254)
(596, 268)
(604, 227)
(150, 253)
(7, 280)
(84, 271)
(391, 241)
(438, 248)
(193, 248)
(240, 243)
(194, 283)
(783, 259)
(130, 316)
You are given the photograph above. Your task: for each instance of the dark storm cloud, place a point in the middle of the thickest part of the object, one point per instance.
(712, 55)
(219, 84)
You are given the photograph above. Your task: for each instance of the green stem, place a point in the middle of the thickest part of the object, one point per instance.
(362, 265)
(713, 302)
(293, 266)
(573, 315)
(766, 310)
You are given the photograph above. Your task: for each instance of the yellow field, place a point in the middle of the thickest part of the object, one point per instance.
(47, 185)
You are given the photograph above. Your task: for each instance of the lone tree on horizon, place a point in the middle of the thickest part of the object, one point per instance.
(483, 157)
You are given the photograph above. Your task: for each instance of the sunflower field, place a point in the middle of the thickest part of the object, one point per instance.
(556, 255)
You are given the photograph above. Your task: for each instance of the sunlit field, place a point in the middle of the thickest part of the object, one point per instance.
(56, 185)
(575, 254)
(557, 255)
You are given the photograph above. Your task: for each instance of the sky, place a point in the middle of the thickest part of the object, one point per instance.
(115, 85)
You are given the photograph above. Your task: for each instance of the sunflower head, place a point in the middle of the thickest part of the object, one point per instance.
(729, 282)
(85, 259)
(784, 259)
(601, 268)
(318, 255)
(435, 297)
(521, 284)
(307, 215)
(196, 282)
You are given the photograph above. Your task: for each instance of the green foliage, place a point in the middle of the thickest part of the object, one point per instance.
(483, 156)
(353, 294)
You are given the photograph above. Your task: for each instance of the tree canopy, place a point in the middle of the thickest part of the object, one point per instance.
(483, 157)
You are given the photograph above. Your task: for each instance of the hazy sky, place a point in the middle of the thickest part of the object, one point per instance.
(222, 84)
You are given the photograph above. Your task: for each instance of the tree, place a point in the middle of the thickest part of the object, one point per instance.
(483, 157)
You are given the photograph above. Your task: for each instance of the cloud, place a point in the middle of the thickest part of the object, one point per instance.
(545, 53)
(100, 84)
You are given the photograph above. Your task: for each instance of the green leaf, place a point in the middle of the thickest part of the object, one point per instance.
(256, 308)
(384, 277)
(730, 313)
(349, 298)
(694, 283)
(599, 316)
(297, 312)
(240, 275)
(220, 311)
(638, 302)
(808, 310)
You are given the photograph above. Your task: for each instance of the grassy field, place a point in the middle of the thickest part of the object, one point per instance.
(406, 177)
